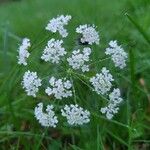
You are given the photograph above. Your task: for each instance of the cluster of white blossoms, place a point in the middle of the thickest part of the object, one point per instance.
(47, 119)
(75, 115)
(59, 88)
(57, 24)
(78, 60)
(31, 83)
(23, 51)
(113, 106)
(118, 55)
(102, 82)
(89, 34)
(53, 51)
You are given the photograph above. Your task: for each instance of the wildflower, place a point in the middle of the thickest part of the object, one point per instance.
(75, 115)
(59, 88)
(102, 81)
(31, 82)
(53, 51)
(118, 55)
(113, 106)
(78, 60)
(89, 34)
(57, 24)
(47, 119)
(23, 51)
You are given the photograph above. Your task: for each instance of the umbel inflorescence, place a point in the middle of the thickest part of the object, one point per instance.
(78, 60)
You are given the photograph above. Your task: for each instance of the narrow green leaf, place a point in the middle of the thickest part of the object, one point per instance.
(139, 28)
(20, 133)
(117, 138)
(75, 147)
(100, 145)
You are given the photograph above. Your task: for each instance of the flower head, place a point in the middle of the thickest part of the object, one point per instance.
(57, 24)
(53, 51)
(47, 119)
(102, 81)
(31, 82)
(113, 106)
(59, 88)
(23, 51)
(75, 115)
(89, 34)
(118, 55)
(78, 60)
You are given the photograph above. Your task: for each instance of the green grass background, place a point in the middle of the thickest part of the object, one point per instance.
(129, 129)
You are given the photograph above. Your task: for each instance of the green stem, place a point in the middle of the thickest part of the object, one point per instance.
(132, 69)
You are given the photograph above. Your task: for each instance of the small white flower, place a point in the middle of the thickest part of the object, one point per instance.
(23, 52)
(89, 34)
(102, 81)
(78, 60)
(31, 82)
(75, 115)
(115, 96)
(47, 119)
(59, 88)
(57, 24)
(53, 51)
(118, 55)
(113, 106)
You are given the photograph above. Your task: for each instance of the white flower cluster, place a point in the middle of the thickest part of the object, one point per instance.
(59, 88)
(78, 59)
(23, 52)
(113, 106)
(118, 55)
(102, 82)
(31, 82)
(75, 115)
(53, 51)
(57, 24)
(89, 34)
(47, 119)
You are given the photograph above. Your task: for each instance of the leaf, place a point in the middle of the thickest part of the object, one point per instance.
(139, 28)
